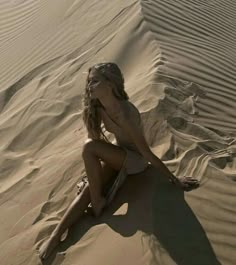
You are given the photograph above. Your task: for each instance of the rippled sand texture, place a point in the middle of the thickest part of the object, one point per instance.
(178, 59)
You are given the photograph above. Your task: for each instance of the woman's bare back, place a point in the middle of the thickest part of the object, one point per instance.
(112, 121)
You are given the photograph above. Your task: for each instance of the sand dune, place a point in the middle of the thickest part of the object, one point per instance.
(178, 59)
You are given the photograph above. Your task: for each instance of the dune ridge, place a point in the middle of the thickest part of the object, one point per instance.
(178, 60)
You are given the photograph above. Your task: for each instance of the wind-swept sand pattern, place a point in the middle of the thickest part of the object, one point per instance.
(178, 59)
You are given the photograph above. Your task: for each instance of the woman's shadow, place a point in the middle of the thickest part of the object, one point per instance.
(158, 208)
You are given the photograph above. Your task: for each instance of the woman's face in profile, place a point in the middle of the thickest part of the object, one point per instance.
(98, 85)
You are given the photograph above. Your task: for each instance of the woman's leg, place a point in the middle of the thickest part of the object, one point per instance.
(93, 151)
(73, 213)
(81, 202)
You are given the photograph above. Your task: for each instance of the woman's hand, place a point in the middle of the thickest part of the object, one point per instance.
(185, 183)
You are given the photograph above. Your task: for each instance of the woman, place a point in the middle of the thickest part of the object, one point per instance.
(108, 164)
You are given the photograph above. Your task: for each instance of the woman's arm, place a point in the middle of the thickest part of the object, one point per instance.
(135, 133)
(138, 138)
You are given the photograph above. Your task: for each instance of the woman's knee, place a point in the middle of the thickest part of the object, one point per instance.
(89, 147)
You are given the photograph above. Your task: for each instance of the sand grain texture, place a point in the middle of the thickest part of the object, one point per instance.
(178, 59)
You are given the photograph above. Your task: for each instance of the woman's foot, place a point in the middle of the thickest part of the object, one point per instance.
(47, 248)
(98, 207)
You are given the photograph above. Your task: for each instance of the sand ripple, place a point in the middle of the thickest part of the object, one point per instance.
(178, 59)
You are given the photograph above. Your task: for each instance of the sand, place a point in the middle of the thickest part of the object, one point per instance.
(178, 60)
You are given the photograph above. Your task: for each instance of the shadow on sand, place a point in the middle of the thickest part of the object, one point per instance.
(157, 208)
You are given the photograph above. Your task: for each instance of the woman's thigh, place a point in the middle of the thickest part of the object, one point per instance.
(110, 154)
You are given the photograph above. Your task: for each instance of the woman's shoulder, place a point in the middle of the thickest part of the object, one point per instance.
(127, 111)
(131, 111)
(128, 106)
